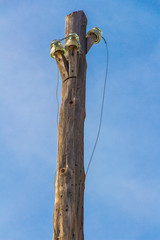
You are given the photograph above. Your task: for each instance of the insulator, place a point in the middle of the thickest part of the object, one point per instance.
(97, 32)
(56, 46)
(72, 41)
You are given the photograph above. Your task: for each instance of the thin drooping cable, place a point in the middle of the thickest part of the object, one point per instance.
(54, 189)
(60, 39)
(101, 115)
(58, 85)
(57, 124)
(55, 180)
(57, 118)
(57, 96)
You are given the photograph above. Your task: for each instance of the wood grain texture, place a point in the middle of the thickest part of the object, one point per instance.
(69, 189)
(90, 41)
(62, 65)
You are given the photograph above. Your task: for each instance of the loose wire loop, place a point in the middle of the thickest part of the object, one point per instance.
(101, 115)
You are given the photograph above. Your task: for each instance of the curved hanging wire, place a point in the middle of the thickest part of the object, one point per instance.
(101, 115)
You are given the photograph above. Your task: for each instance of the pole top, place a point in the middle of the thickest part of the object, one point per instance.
(76, 22)
(79, 12)
(97, 32)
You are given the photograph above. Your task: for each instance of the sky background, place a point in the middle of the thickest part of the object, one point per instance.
(122, 193)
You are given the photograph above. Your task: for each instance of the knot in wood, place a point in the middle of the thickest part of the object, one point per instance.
(63, 171)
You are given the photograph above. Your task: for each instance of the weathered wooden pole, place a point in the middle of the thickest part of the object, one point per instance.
(69, 189)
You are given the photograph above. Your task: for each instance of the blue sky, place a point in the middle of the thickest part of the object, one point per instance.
(122, 194)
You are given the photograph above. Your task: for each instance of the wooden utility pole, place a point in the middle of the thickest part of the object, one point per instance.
(70, 179)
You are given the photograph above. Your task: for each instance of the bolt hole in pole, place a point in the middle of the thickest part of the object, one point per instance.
(70, 102)
(62, 170)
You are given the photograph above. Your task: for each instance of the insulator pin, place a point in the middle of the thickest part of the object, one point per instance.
(97, 32)
(72, 41)
(56, 46)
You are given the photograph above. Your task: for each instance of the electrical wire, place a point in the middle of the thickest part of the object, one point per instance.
(101, 115)
(57, 125)
(54, 189)
(57, 116)
(60, 39)
(57, 95)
